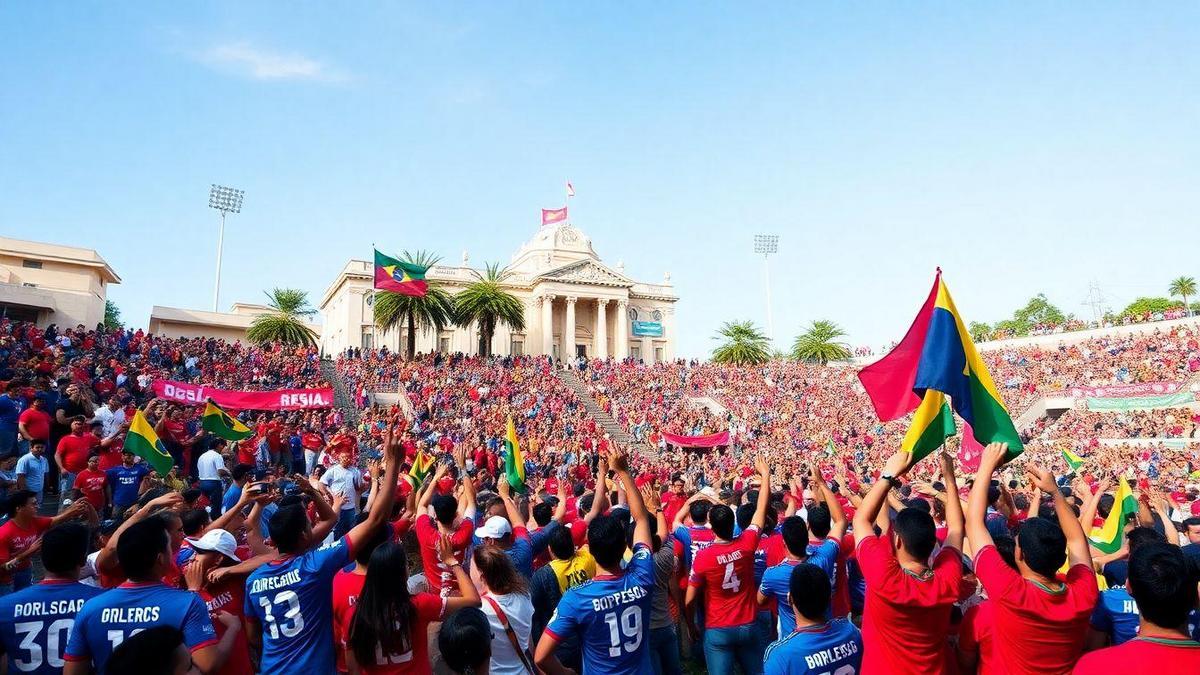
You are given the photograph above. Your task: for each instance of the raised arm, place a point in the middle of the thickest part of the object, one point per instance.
(637, 508)
(977, 500)
(387, 494)
(955, 525)
(510, 507)
(837, 516)
(106, 562)
(1078, 550)
(872, 505)
(1088, 513)
(764, 494)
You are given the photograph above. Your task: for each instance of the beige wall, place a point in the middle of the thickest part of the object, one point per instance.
(79, 291)
(174, 329)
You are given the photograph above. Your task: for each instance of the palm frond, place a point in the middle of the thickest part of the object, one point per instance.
(744, 344)
(820, 344)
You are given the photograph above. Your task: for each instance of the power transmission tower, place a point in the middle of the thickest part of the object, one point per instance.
(1095, 299)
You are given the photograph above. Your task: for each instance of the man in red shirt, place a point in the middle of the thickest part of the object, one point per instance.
(19, 537)
(72, 453)
(906, 611)
(33, 424)
(723, 574)
(441, 578)
(90, 482)
(1165, 591)
(1040, 623)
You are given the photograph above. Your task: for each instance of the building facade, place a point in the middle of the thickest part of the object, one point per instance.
(574, 305)
(48, 283)
(176, 322)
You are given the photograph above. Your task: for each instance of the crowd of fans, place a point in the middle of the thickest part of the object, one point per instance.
(412, 541)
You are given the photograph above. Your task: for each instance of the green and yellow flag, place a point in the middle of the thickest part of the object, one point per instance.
(143, 442)
(1073, 460)
(223, 425)
(421, 466)
(514, 461)
(1108, 537)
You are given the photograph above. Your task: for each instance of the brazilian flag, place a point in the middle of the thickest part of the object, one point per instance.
(223, 425)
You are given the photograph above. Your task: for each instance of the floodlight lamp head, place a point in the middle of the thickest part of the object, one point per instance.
(225, 199)
(766, 244)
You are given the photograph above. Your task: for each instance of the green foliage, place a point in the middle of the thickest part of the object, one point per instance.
(980, 331)
(487, 302)
(285, 325)
(1152, 305)
(435, 310)
(743, 344)
(820, 344)
(1183, 287)
(112, 315)
(1039, 310)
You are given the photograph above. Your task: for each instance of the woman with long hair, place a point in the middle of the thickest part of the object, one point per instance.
(389, 632)
(508, 607)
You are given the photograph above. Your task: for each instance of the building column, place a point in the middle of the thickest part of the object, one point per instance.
(647, 349)
(568, 348)
(669, 333)
(547, 324)
(601, 331)
(621, 344)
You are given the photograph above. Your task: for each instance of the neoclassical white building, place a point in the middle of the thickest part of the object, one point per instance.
(574, 305)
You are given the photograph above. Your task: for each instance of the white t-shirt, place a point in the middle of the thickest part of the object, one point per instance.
(519, 610)
(209, 465)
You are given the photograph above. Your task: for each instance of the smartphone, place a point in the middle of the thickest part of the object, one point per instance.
(258, 488)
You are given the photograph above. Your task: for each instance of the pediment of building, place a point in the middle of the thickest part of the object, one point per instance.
(585, 272)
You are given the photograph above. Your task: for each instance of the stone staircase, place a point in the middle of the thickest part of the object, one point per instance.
(601, 416)
(341, 394)
(712, 404)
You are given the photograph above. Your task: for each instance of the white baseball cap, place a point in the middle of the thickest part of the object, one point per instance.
(217, 540)
(495, 527)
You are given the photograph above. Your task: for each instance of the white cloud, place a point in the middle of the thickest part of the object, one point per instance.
(259, 64)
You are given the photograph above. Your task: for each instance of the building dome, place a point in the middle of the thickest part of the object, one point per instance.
(552, 246)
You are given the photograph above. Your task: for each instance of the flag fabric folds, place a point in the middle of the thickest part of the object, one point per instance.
(937, 360)
(223, 425)
(1108, 537)
(514, 461)
(421, 466)
(552, 216)
(397, 276)
(143, 442)
(1073, 460)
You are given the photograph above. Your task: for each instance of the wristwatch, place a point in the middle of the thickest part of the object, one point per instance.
(889, 478)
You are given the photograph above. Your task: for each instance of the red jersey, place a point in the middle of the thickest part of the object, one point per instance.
(110, 458)
(91, 484)
(14, 539)
(1037, 629)
(347, 586)
(73, 450)
(439, 577)
(36, 422)
(906, 617)
(229, 596)
(724, 571)
(1161, 656)
(841, 584)
(975, 635)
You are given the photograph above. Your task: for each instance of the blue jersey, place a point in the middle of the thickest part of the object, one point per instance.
(292, 601)
(777, 580)
(110, 618)
(1116, 614)
(834, 647)
(35, 623)
(611, 616)
(125, 481)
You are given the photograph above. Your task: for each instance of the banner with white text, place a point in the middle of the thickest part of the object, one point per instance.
(278, 399)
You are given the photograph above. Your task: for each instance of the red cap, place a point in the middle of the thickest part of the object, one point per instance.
(1196, 508)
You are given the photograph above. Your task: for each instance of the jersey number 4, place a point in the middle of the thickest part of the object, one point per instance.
(291, 622)
(629, 625)
(731, 582)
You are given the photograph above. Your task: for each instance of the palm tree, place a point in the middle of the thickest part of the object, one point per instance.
(286, 324)
(486, 301)
(744, 344)
(820, 344)
(434, 310)
(1184, 286)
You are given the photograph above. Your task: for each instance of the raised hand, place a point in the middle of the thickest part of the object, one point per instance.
(618, 460)
(993, 457)
(445, 551)
(898, 464)
(1040, 478)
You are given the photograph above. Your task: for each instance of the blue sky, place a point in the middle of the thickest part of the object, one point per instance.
(1023, 148)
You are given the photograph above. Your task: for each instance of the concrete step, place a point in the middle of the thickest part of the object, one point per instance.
(602, 417)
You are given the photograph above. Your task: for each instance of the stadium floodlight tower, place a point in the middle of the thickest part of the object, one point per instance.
(226, 200)
(765, 245)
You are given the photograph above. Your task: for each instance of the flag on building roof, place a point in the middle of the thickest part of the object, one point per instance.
(143, 442)
(570, 189)
(1073, 460)
(223, 425)
(397, 276)
(421, 466)
(552, 216)
(514, 461)
(937, 359)
(1108, 537)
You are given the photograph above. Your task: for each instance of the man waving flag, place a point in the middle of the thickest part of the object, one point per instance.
(143, 442)
(514, 461)
(223, 425)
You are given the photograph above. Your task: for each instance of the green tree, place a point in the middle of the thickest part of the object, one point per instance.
(433, 310)
(285, 325)
(1183, 286)
(980, 331)
(743, 344)
(487, 302)
(1141, 306)
(112, 315)
(820, 344)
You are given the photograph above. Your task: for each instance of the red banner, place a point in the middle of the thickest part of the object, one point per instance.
(278, 399)
(552, 216)
(1127, 390)
(709, 441)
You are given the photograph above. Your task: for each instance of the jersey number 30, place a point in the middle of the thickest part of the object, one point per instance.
(629, 625)
(56, 640)
(291, 622)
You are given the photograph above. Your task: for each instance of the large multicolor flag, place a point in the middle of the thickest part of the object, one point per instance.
(143, 442)
(1073, 460)
(514, 461)
(397, 276)
(1108, 537)
(421, 466)
(223, 425)
(935, 360)
(552, 216)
